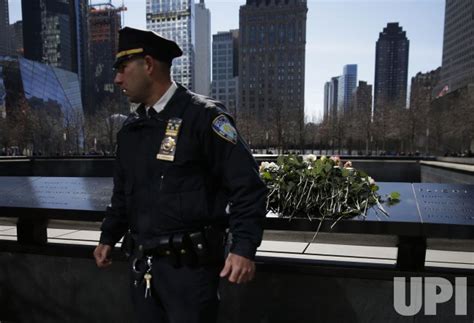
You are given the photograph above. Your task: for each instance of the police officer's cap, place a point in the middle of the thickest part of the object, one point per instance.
(133, 42)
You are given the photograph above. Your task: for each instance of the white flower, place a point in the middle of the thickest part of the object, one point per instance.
(348, 164)
(263, 167)
(309, 158)
(323, 158)
(272, 167)
(268, 167)
(371, 181)
(336, 159)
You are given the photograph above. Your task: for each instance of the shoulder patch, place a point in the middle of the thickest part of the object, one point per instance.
(222, 126)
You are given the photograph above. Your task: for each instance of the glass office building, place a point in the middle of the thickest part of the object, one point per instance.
(55, 33)
(272, 62)
(174, 19)
(391, 67)
(225, 69)
(347, 84)
(3, 95)
(40, 86)
(202, 59)
(4, 28)
(458, 46)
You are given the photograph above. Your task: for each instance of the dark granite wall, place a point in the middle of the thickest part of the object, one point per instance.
(38, 288)
(390, 170)
(430, 174)
(381, 170)
(407, 171)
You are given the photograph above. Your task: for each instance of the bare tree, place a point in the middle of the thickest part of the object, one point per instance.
(100, 129)
(451, 122)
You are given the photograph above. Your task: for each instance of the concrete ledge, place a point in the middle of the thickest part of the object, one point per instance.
(331, 237)
(460, 167)
(457, 160)
(337, 248)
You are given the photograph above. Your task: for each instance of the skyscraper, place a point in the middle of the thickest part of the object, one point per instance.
(422, 84)
(423, 106)
(362, 99)
(81, 30)
(17, 37)
(361, 108)
(104, 24)
(32, 30)
(346, 84)
(391, 67)
(5, 44)
(458, 45)
(55, 33)
(175, 19)
(272, 61)
(331, 98)
(202, 67)
(225, 69)
(333, 95)
(327, 100)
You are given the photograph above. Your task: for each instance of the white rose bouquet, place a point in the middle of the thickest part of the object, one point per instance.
(319, 188)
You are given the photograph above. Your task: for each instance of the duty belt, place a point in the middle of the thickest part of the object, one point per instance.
(180, 248)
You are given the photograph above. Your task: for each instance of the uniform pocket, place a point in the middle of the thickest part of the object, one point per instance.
(181, 198)
(175, 181)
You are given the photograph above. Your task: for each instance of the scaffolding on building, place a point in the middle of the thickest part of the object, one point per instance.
(104, 20)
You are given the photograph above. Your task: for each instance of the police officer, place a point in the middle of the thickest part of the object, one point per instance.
(182, 175)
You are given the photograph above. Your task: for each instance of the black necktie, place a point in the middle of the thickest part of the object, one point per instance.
(151, 112)
(141, 111)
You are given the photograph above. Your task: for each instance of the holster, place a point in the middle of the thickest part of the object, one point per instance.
(183, 248)
(214, 241)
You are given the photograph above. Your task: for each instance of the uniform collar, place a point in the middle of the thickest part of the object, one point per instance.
(161, 103)
(175, 107)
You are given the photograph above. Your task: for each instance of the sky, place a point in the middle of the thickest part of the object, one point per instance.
(338, 32)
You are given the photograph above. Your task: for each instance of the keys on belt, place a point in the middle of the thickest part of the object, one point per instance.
(178, 249)
(142, 271)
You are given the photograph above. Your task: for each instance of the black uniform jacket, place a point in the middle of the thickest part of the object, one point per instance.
(153, 197)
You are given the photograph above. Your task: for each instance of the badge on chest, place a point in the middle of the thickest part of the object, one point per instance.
(168, 145)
